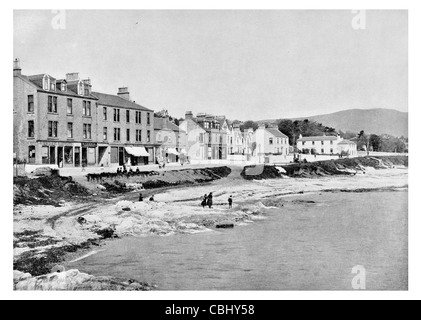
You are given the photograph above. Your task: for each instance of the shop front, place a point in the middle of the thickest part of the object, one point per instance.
(136, 156)
(88, 153)
(62, 154)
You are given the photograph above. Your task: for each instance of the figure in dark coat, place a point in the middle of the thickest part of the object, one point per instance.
(204, 200)
(230, 202)
(210, 202)
(140, 197)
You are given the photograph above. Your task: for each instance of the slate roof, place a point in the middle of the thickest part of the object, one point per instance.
(276, 133)
(318, 138)
(35, 81)
(116, 101)
(159, 125)
(346, 142)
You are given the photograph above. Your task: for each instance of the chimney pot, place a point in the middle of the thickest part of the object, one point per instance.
(17, 71)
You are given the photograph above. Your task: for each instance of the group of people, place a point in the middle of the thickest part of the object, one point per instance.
(123, 170)
(141, 197)
(207, 200)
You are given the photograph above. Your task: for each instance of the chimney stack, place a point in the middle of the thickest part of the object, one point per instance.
(74, 76)
(189, 115)
(124, 93)
(17, 71)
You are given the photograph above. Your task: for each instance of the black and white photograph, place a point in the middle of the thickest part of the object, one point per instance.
(210, 150)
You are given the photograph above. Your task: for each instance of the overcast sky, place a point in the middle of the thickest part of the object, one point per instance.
(242, 64)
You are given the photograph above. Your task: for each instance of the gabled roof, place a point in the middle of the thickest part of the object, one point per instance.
(319, 138)
(159, 124)
(276, 133)
(116, 101)
(34, 81)
(344, 142)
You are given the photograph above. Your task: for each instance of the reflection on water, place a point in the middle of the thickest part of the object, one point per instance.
(301, 246)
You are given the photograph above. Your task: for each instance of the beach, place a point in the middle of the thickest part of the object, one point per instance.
(58, 235)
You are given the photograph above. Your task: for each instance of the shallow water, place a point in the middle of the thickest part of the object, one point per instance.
(301, 246)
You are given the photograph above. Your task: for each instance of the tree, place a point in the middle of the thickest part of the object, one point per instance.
(375, 142)
(249, 124)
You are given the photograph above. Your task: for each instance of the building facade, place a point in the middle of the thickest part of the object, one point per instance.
(62, 122)
(125, 130)
(53, 120)
(270, 141)
(206, 136)
(323, 145)
(171, 140)
(347, 147)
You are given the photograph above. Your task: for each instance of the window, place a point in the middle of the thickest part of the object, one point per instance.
(104, 112)
(202, 138)
(31, 154)
(68, 155)
(80, 88)
(148, 136)
(86, 91)
(148, 118)
(31, 129)
(323, 150)
(70, 130)
(127, 134)
(331, 150)
(86, 111)
(331, 142)
(116, 134)
(138, 135)
(52, 104)
(52, 129)
(323, 143)
(53, 86)
(117, 115)
(105, 134)
(87, 131)
(63, 87)
(69, 106)
(270, 140)
(314, 143)
(206, 125)
(46, 82)
(138, 117)
(31, 103)
(127, 116)
(277, 141)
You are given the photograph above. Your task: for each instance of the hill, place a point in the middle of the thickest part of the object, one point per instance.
(378, 121)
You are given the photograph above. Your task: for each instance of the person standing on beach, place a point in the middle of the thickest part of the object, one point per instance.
(140, 197)
(230, 202)
(210, 202)
(204, 201)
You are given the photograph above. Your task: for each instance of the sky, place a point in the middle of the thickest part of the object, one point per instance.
(247, 65)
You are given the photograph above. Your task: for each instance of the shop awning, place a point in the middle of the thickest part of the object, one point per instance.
(173, 151)
(137, 151)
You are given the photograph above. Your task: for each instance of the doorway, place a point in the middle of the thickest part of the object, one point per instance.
(60, 157)
(52, 155)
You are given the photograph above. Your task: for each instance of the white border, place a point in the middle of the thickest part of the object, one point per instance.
(6, 222)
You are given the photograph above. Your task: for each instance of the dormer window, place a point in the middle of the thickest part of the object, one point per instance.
(63, 87)
(46, 82)
(80, 88)
(53, 86)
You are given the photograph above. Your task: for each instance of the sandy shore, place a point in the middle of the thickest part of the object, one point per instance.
(45, 236)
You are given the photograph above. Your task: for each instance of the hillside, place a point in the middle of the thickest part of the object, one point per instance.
(378, 121)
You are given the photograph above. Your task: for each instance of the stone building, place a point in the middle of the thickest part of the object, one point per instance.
(207, 135)
(125, 130)
(61, 122)
(54, 120)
